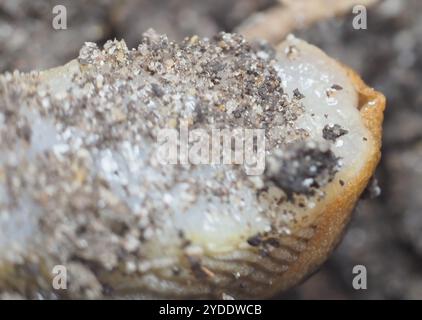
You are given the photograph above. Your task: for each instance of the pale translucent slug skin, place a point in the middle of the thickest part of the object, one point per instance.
(238, 269)
(218, 259)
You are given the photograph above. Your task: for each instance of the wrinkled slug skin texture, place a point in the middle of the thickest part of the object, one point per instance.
(334, 216)
(219, 257)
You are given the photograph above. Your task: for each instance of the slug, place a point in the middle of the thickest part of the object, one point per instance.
(82, 184)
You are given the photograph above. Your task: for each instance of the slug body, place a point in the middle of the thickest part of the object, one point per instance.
(81, 184)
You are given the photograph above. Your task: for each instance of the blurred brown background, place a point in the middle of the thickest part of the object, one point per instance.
(386, 233)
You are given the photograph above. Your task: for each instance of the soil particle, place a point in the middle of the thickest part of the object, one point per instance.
(333, 131)
(300, 168)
